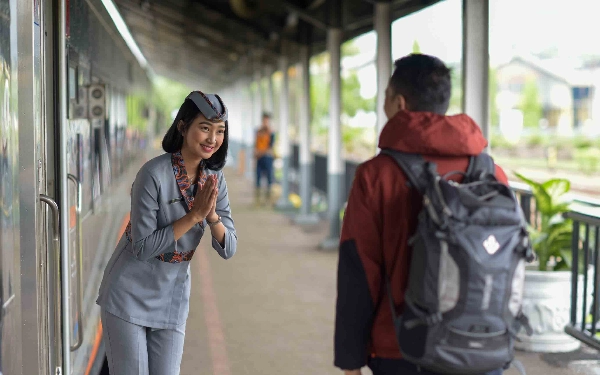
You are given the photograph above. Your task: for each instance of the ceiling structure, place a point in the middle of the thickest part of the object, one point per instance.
(213, 43)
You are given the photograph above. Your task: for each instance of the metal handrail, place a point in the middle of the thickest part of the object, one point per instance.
(588, 247)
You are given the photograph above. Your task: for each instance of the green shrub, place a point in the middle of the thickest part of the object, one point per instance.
(581, 141)
(497, 141)
(536, 140)
(587, 159)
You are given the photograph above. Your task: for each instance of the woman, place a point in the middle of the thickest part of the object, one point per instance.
(144, 294)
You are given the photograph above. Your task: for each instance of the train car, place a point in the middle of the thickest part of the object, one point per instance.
(75, 119)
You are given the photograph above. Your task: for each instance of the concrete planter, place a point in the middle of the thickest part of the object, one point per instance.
(547, 303)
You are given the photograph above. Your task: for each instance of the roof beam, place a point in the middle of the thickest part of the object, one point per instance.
(207, 14)
(305, 15)
(216, 38)
(184, 55)
(235, 40)
(177, 35)
(256, 34)
(398, 11)
(231, 38)
(185, 74)
(133, 6)
(178, 61)
(135, 16)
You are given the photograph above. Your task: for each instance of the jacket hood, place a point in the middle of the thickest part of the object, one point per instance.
(432, 134)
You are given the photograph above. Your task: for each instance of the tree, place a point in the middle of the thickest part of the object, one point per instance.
(352, 102)
(493, 90)
(457, 93)
(531, 104)
(320, 91)
(168, 95)
(416, 47)
(136, 111)
(319, 94)
(349, 49)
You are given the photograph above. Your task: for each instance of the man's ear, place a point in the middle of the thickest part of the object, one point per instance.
(401, 102)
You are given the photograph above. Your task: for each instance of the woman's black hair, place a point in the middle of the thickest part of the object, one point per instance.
(173, 140)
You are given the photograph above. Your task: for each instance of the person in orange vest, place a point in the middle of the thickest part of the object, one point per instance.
(263, 152)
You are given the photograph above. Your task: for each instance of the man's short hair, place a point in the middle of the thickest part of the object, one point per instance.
(424, 82)
(266, 115)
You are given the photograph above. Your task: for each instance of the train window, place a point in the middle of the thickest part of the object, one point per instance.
(8, 185)
(98, 159)
(73, 83)
(79, 151)
(95, 159)
(73, 93)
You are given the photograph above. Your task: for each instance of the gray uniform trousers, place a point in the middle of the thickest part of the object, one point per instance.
(136, 350)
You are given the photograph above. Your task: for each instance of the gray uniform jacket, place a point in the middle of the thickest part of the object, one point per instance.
(137, 285)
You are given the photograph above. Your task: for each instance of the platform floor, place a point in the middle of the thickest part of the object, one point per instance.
(270, 309)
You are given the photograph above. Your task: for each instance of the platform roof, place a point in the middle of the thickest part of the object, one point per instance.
(212, 43)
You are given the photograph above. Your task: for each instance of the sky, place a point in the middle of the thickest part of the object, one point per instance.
(527, 26)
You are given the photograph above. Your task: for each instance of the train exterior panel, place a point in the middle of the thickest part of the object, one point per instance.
(49, 255)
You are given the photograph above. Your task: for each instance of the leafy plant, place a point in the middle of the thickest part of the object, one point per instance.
(551, 233)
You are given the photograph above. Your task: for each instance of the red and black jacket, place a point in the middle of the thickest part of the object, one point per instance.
(380, 217)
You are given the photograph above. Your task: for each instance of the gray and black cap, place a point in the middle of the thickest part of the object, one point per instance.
(211, 105)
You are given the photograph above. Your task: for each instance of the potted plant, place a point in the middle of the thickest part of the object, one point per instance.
(547, 293)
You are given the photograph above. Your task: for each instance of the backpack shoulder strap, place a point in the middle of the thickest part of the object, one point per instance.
(480, 165)
(413, 165)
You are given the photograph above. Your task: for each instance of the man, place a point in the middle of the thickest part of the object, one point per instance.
(263, 152)
(382, 211)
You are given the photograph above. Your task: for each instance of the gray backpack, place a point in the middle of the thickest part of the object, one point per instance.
(462, 306)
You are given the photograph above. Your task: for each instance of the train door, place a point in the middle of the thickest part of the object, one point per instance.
(28, 263)
(46, 217)
(48, 177)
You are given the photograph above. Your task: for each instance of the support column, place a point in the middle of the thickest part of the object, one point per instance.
(258, 97)
(306, 158)
(270, 92)
(383, 28)
(249, 132)
(284, 141)
(232, 157)
(335, 164)
(476, 63)
(238, 105)
(256, 109)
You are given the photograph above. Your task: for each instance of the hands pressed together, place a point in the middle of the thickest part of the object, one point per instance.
(205, 201)
(205, 205)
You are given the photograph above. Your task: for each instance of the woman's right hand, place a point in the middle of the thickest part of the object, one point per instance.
(205, 198)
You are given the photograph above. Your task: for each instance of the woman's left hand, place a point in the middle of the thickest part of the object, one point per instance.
(212, 215)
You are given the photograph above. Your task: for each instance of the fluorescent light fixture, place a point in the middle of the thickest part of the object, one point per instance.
(124, 31)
